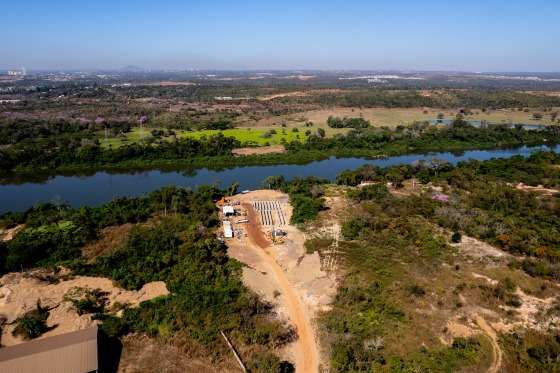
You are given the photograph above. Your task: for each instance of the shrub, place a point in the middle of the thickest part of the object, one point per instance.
(456, 237)
(86, 300)
(417, 291)
(33, 323)
(375, 192)
(269, 363)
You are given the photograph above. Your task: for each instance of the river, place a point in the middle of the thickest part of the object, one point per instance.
(103, 186)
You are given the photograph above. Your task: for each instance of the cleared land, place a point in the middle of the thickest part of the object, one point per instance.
(283, 273)
(260, 150)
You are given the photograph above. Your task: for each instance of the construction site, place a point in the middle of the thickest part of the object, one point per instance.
(256, 228)
(240, 218)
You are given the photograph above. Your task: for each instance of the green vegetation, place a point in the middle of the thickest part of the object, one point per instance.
(356, 123)
(305, 196)
(531, 352)
(245, 136)
(87, 301)
(374, 324)
(470, 99)
(391, 240)
(33, 324)
(176, 244)
(69, 153)
(483, 205)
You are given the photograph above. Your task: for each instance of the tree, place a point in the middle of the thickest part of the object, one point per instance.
(456, 237)
(232, 190)
(274, 182)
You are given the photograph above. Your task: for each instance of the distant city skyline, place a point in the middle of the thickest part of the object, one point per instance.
(432, 35)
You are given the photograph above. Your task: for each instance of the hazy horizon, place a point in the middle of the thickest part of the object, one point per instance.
(335, 35)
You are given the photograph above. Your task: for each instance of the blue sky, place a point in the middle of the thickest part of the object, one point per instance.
(491, 35)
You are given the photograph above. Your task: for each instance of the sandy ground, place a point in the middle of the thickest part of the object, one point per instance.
(19, 294)
(474, 248)
(473, 318)
(497, 353)
(284, 275)
(9, 234)
(259, 150)
(287, 94)
(538, 189)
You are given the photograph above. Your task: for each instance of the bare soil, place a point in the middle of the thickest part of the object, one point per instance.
(284, 275)
(537, 189)
(9, 234)
(272, 149)
(19, 294)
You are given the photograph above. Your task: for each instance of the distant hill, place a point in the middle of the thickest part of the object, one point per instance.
(132, 69)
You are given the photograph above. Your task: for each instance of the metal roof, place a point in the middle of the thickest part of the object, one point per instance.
(74, 352)
(228, 230)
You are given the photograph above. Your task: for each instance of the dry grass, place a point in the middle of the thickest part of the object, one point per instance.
(143, 354)
(111, 239)
(387, 117)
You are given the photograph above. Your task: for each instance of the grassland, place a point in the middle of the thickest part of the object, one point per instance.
(393, 117)
(260, 132)
(247, 136)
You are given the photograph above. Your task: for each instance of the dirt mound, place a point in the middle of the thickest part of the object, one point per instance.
(19, 294)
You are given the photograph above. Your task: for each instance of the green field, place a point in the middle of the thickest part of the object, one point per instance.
(247, 136)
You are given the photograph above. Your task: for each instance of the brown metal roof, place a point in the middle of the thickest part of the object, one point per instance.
(74, 352)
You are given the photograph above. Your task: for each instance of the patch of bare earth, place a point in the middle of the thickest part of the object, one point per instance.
(536, 189)
(286, 94)
(272, 149)
(111, 239)
(9, 234)
(471, 247)
(19, 293)
(283, 274)
(475, 317)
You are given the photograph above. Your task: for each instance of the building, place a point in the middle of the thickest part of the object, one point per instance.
(228, 230)
(21, 72)
(228, 211)
(74, 352)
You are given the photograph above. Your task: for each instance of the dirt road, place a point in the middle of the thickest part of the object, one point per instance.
(307, 355)
(496, 350)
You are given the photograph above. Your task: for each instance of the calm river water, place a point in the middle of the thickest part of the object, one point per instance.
(103, 187)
